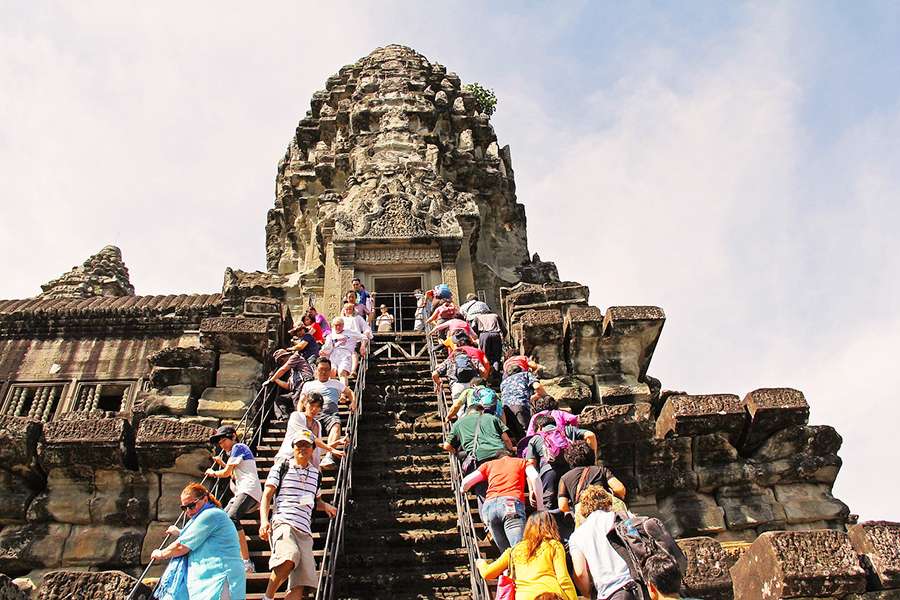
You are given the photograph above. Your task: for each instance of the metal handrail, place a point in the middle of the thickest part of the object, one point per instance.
(245, 422)
(334, 537)
(468, 534)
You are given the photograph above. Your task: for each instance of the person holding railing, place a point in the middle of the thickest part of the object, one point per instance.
(503, 510)
(339, 347)
(333, 391)
(353, 323)
(320, 320)
(208, 564)
(477, 438)
(537, 564)
(423, 308)
(307, 417)
(298, 370)
(243, 481)
(295, 487)
(518, 390)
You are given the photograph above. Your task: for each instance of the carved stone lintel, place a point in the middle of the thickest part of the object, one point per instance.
(383, 256)
(345, 254)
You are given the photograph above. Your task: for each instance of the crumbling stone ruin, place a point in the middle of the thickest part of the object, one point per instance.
(107, 398)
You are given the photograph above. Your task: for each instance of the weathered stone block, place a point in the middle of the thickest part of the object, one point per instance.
(642, 504)
(193, 356)
(698, 415)
(236, 371)
(156, 533)
(875, 595)
(715, 476)
(641, 326)
(772, 409)
(620, 424)
(105, 585)
(18, 447)
(67, 497)
(172, 400)
(225, 403)
(879, 543)
(665, 465)
(9, 590)
(617, 456)
(32, 546)
(689, 514)
(241, 335)
(167, 445)
(622, 393)
(583, 327)
(16, 495)
(169, 505)
(87, 442)
(707, 575)
(124, 497)
(262, 306)
(539, 333)
(799, 454)
(749, 506)
(810, 502)
(570, 392)
(93, 545)
(197, 378)
(713, 449)
(798, 564)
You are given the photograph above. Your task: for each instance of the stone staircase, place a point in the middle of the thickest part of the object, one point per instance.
(402, 539)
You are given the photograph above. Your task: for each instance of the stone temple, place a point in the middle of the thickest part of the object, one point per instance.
(394, 176)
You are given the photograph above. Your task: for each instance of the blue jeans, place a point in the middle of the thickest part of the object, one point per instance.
(505, 516)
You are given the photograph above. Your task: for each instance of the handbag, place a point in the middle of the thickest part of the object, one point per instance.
(506, 584)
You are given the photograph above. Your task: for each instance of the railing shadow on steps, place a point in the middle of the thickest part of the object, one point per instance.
(468, 533)
(250, 430)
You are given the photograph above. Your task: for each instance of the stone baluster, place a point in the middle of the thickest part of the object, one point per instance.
(89, 400)
(15, 404)
(51, 403)
(37, 402)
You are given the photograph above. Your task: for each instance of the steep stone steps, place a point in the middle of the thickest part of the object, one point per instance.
(401, 533)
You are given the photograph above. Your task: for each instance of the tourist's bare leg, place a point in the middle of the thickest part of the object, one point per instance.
(278, 576)
(298, 593)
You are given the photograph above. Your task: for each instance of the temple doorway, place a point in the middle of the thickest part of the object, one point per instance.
(396, 292)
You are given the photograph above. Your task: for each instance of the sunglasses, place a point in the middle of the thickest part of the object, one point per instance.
(189, 505)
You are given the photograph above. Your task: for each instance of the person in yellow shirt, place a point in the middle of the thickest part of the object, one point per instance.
(539, 561)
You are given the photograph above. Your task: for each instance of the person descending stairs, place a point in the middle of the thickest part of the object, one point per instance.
(402, 539)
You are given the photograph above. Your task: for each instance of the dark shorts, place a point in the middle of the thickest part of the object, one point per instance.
(326, 422)
(239, 506)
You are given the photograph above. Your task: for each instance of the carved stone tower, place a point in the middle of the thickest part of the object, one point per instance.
(396, 174)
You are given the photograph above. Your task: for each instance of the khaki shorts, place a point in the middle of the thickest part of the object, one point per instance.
(288, 544)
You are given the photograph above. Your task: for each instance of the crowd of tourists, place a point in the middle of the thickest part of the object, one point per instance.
(555, 514)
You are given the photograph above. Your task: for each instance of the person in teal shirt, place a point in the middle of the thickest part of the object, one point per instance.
(208, 564)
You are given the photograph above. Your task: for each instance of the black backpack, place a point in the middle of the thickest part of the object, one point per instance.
(636, 539)
(465, 368)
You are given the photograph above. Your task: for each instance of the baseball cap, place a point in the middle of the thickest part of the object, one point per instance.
(304, 435)
(222, 432)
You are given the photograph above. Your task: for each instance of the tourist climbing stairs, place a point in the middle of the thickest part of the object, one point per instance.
(402, 536)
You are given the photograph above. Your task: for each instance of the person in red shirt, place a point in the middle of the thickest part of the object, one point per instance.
(523, 362)
(313, 328)
(503, 510)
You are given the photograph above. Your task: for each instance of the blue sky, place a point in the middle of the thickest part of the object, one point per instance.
(736, 164)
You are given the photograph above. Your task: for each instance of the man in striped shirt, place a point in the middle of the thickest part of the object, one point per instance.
(295, 486)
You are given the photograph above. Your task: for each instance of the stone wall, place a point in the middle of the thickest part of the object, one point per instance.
(713, 465)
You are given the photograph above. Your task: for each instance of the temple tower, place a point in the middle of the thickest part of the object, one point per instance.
(395, 176)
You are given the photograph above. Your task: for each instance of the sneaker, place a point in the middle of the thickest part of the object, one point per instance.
(327, 463)
(248, 567)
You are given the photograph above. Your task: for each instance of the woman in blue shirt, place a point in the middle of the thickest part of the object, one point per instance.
(208, 563)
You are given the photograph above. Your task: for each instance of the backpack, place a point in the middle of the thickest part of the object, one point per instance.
(554, 443)
(465, 368)
(638, 538)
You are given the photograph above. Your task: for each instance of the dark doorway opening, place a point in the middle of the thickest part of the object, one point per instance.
(396, 292)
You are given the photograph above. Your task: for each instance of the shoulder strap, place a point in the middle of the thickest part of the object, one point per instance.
(477, 432)
(580, 486)
(282, 471)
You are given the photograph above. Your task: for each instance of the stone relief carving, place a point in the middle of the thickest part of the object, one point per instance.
(379, 256)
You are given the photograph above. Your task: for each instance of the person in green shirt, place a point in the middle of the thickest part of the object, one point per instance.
(493, 436)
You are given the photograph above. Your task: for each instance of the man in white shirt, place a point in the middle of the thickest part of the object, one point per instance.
(332, 391)
(295, 487)
(244, 484)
